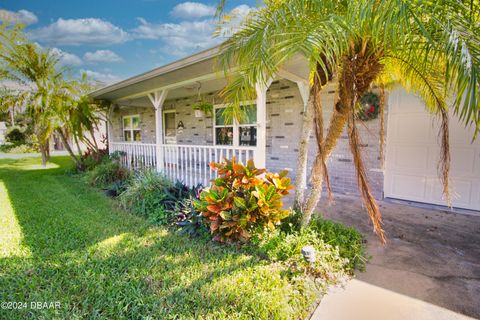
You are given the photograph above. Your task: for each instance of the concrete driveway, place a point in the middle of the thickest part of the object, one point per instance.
(429, 269)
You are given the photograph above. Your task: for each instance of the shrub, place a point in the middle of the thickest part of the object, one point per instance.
(240, 202)
(13, 148)
(350, 241)
(117, 187)
(154, 196)
(106, 173)
(16, 135)
(92, 158)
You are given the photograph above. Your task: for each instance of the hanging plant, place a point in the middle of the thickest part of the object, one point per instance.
(369, 107)
(203, 106)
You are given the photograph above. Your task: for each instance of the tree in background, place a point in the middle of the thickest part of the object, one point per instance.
(430, 47)
(54, 103)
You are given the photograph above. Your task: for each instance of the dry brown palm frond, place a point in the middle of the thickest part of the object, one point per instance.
(361, 73)
(444, 161)
(369, 201)
(382, 125)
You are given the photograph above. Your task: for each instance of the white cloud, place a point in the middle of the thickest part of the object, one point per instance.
(102, 56)
(19, 17)
(237, 16)
(80, 31)
(181, 38)
(66, 58)
(105, 78)
(189, 10)
(186, 37)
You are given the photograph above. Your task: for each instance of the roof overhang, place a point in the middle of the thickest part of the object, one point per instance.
(160, 77)
(182, 78)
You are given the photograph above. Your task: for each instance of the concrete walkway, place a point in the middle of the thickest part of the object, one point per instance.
(29, 155)
(429, 269)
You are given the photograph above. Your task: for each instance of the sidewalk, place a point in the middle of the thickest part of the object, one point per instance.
(29, 155)
(363, 301)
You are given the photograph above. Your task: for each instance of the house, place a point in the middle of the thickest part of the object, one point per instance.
(3, 130)
(152, 118)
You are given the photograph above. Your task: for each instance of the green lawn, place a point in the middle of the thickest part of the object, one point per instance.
(62, 241)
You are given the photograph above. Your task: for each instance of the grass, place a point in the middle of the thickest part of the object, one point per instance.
(63, 241)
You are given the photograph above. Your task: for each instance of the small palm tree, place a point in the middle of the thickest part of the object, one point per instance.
(54, 103)
(430, 47)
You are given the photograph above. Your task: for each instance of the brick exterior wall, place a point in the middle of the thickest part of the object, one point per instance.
(284, 125)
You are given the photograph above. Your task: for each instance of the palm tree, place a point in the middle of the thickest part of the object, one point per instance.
(54, 103)
(429, 47)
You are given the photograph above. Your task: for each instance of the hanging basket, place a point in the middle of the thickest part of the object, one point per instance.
(203, 108)
(199, 113)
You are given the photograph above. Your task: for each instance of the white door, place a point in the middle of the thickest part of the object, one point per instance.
(169, 127)
(170, 138)
(413, 152)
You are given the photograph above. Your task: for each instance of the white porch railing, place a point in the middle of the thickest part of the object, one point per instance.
(186, 163)
(137, 155)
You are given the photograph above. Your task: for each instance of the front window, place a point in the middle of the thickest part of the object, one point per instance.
(131, 128)
(236, 133)
(247, 126)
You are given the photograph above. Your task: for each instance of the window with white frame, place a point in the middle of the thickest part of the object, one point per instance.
(236, 133)
(131, 128)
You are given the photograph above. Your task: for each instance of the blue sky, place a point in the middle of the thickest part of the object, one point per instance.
(115, 39)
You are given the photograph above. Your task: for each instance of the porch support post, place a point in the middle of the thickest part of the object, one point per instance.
(158, 98)
(261, 152)
(109, 128)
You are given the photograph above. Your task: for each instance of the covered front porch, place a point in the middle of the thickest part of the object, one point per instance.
(153, 124)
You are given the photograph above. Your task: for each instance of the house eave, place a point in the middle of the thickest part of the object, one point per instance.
(176, 65)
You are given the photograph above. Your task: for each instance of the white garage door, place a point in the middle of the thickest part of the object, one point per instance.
(413, 151)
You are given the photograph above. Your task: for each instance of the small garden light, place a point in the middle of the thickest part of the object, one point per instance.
(308, 253)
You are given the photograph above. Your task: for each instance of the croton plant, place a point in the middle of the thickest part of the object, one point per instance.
(242, 200)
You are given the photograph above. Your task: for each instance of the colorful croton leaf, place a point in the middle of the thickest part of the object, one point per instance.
(243, 199)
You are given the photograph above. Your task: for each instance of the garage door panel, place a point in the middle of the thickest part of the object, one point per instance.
(408, 187)
(414, 131)
(459, 133)
(463, 161)
(461, 192)
(403, 159)
(412, 156)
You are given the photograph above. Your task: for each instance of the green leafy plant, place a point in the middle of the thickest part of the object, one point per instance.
(117, 187)
(93, 157)
(241, 202)
(16, 135)
(350, 242)
(14, 148)
(146, 196)
(204, 106)
(329, 267)
(106, 173)
(189, 220)
(153, 196)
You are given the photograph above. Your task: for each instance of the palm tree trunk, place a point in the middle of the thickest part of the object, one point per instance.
(93, 141)
(78, 146)
(69, 149)
(301, 177)
(12, 115)
(319, 170)
(43, 152)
